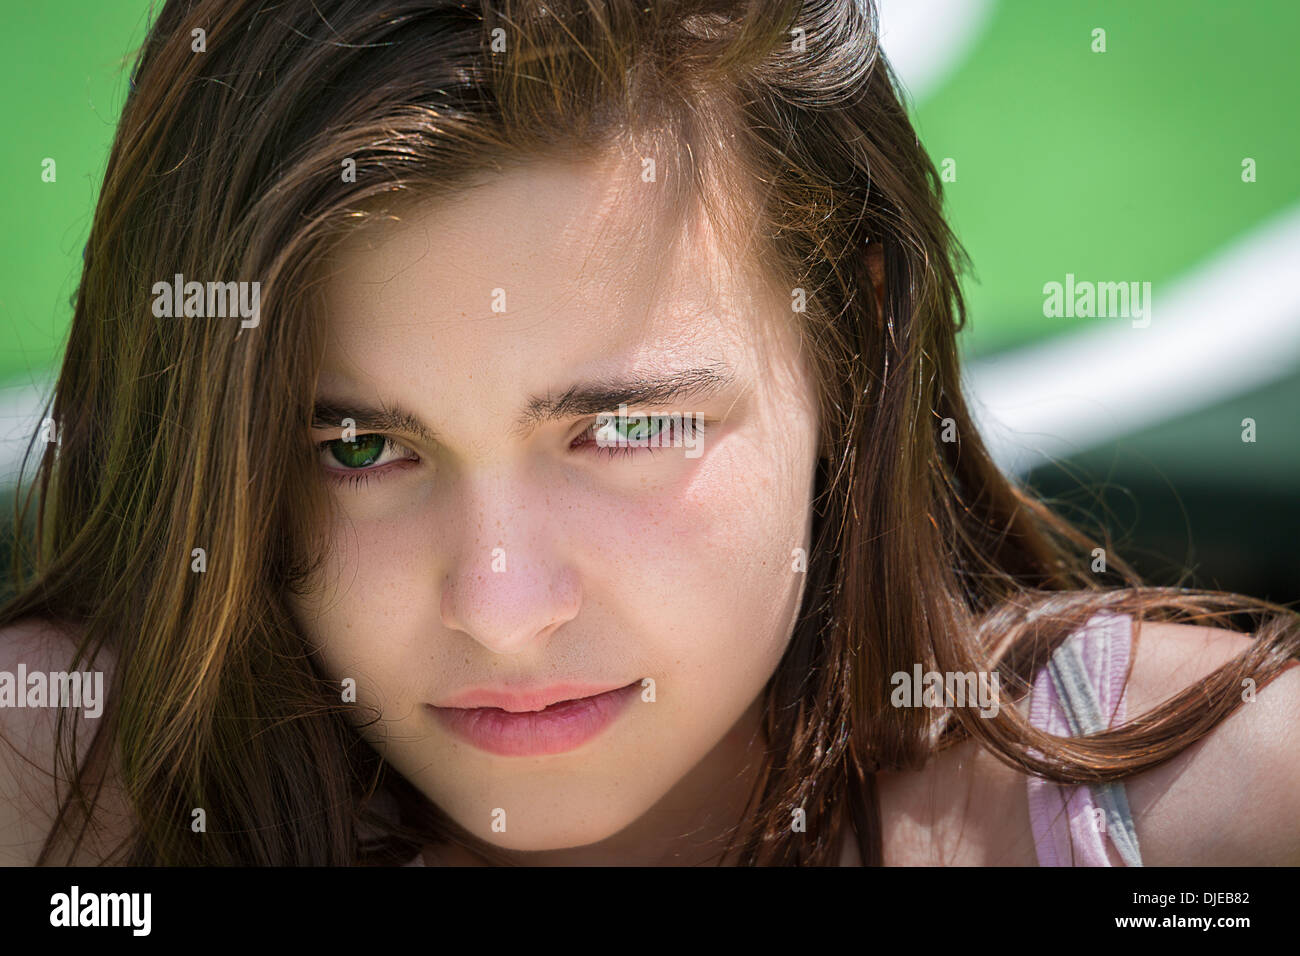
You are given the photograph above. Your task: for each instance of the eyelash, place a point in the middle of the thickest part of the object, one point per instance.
(691, 426)
(363, 476)
(354, 477)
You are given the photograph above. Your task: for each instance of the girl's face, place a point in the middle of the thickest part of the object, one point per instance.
(499, 554)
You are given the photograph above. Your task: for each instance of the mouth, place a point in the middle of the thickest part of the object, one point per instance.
(553, 721)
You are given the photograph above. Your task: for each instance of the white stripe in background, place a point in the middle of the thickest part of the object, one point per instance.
(1227, 327)
(925, 40)
(20, 418)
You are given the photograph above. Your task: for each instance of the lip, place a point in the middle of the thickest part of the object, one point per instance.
(533, 723)
(535, 699)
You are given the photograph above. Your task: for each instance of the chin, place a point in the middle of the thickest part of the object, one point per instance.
(560, 838)
(534, 828)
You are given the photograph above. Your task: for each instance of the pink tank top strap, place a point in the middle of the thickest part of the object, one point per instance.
(1079, 692)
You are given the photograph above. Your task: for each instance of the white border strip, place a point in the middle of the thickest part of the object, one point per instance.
(1229, 327)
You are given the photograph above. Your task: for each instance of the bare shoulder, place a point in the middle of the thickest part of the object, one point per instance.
(1232, 798)
(30, 653)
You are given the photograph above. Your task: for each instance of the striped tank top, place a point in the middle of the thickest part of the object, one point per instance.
(1078, 692)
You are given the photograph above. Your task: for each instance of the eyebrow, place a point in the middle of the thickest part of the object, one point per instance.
(587, 398)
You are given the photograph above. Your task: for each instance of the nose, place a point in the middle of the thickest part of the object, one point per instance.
(508, 585)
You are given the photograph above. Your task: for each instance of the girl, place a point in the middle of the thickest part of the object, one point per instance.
(532, 433)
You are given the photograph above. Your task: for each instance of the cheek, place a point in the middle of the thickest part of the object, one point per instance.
(377, 579)
(701, 569)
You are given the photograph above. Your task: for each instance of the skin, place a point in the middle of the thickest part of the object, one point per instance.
(647, 565)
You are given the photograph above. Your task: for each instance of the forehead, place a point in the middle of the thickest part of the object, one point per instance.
(582, 263)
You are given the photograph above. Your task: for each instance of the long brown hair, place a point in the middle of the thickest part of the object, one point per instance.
(231, 163)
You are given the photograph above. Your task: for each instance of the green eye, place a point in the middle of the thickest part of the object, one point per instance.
(360, 453)
(631, 428)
